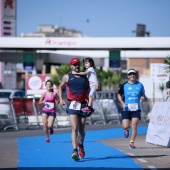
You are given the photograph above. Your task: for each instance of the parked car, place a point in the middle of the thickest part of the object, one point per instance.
(6, 118)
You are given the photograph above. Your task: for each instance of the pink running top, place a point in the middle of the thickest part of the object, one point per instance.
(50, 105)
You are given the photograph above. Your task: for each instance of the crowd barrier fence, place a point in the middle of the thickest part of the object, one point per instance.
(27, 112)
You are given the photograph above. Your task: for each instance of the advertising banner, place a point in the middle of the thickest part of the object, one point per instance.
(158, 73)
(114, 60)
(35, 84)
(158, 132)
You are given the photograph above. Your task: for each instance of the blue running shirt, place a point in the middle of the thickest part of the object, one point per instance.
(132, 94)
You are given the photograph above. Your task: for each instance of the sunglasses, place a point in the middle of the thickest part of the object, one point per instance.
(130, 74)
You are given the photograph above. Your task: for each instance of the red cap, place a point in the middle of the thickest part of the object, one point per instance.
(74, 61)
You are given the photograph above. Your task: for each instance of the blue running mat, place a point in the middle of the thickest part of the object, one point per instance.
(35, 153)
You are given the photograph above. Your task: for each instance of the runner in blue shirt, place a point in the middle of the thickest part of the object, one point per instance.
(130, 95)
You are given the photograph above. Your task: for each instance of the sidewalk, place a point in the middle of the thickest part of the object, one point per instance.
(146, 155)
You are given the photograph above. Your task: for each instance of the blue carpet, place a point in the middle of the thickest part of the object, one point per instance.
(35, 153)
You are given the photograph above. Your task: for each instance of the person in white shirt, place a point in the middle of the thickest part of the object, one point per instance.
(89, 70)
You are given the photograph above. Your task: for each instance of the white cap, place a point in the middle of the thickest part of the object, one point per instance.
(131, 71)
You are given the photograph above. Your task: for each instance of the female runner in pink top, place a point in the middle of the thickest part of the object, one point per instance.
(49, 99)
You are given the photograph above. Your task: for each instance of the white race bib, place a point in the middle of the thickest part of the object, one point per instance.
(133, 107)
(75, 105)
(49, 105)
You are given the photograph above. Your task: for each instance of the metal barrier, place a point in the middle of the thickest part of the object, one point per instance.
(106, 109)
(26, 112)
(145, 110)
(7, 118)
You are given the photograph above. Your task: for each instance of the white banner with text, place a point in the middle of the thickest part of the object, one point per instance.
(158, 132)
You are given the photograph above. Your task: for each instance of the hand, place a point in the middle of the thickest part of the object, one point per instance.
(62, 102)
(98, 87)
(124, 105)
(142, 98)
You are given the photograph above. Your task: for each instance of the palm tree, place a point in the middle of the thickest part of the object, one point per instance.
(107, 79)
(116, 79)
(64, 69)
(161, 88)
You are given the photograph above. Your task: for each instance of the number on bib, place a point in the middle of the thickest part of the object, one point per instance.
(75, 105)
(133, 107)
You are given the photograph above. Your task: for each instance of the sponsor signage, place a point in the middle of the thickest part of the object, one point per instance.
(158, 132)
(8, 28)
(9, 9)
(35, 84)
(158, 73)
(28, 61)
(114, 60)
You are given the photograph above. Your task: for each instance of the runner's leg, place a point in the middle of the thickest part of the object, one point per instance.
(45, 122)
(51, 120)
(126, 124)
(134, 128)
(74, 126)
(82, 123)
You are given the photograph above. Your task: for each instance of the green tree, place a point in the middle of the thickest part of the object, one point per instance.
(116, 79)
(109, 79)
(161, 88)
(61, 71)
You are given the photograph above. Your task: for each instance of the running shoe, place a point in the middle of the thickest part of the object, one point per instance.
(132, 145)
(81, 151)
(126, 133)
(75, 155)
(47, 140)
(51, 131)
(85, 109)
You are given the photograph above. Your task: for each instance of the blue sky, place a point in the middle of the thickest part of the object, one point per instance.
(107, 18)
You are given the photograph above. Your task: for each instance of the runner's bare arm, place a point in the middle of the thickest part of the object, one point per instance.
(41, 100)
(121, 100)
(60, 89)
(57, 100)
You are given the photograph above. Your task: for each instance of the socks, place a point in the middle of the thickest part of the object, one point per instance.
(75, 149)
(81, 145)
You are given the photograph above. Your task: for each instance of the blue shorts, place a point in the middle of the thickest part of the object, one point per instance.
(79, 112)
(131, 114)
(49, 113)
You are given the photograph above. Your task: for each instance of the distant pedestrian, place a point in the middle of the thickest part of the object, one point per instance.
(49, 99)
(89, 70)
(130, 95)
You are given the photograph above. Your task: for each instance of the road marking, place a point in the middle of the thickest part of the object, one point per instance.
(152, 167)
(142, 160)
(131, 154)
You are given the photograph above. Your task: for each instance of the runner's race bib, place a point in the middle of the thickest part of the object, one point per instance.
(75, 105)
(133, 107)
(49, 105)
